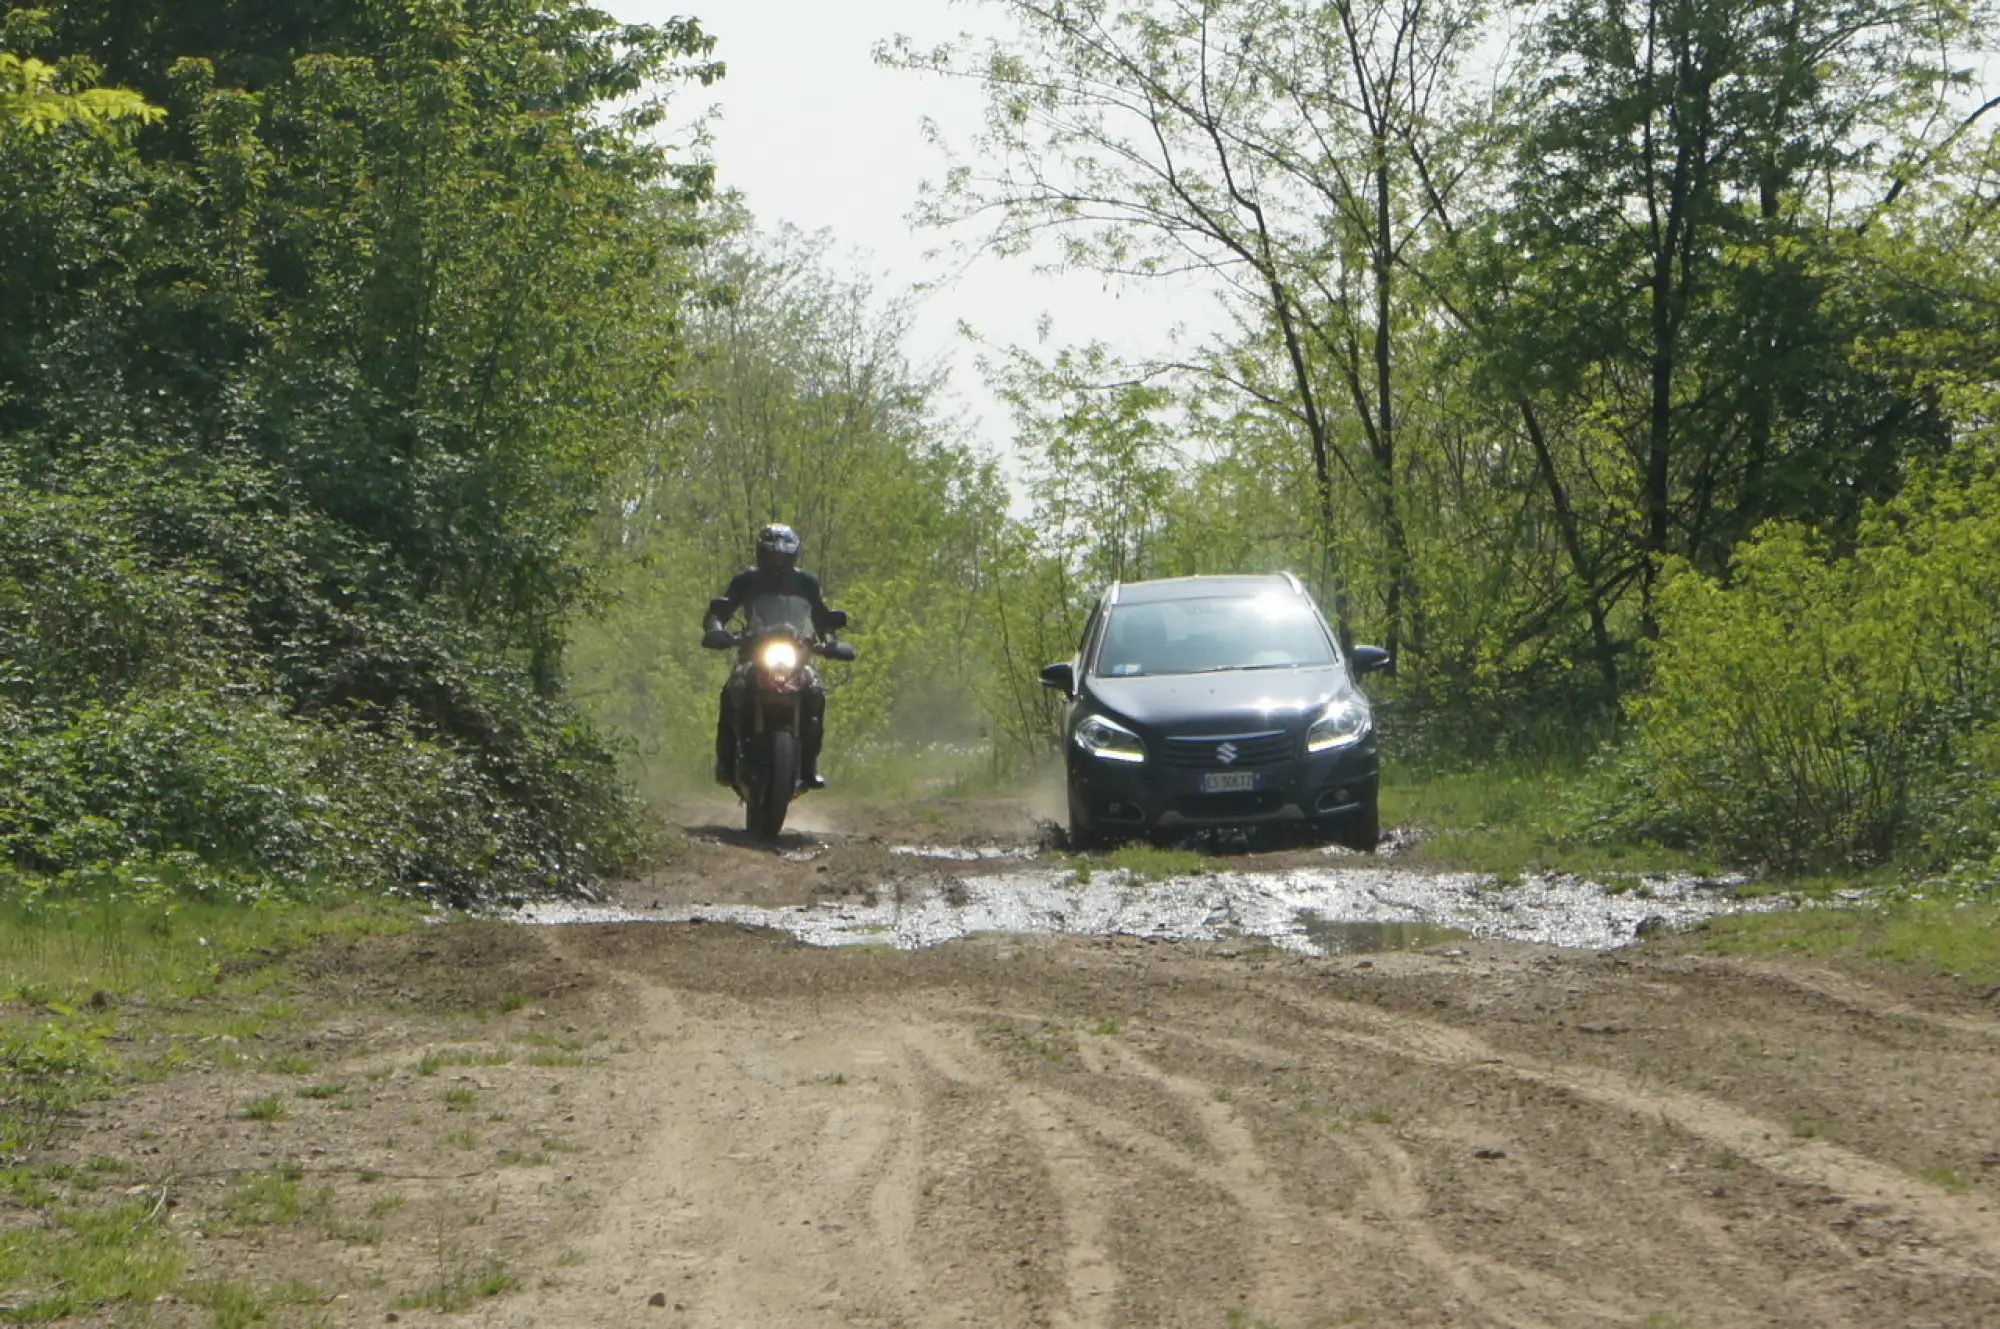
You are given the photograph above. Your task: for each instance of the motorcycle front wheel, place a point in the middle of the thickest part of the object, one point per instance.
(764, 811)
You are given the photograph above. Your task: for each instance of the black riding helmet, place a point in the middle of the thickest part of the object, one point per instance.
(778, 548)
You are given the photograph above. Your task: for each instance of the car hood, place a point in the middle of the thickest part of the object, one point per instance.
(1232, 701)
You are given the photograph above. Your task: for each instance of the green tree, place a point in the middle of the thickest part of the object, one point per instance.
(351, 344)
(1684, 170)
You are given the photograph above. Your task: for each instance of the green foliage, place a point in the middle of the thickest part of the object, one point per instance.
(37, 97)
(307, 398)
(1818, 711)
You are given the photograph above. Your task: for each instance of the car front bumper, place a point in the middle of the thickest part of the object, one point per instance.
(1321, 786)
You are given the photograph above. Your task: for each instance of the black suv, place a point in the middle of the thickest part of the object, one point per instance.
(1216, 701)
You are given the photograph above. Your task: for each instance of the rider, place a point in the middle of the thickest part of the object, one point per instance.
(777, 572)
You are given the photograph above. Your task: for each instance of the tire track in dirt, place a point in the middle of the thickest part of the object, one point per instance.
(1239, 1167)
(1507, 1293)
(1091, 1276)
(1954, 1220)
(1393, 1228)
(1848, 995)
(755, 1186)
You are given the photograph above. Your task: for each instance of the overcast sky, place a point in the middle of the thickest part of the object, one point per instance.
(814, 133)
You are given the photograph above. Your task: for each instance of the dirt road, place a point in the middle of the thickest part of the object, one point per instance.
(701, 1125)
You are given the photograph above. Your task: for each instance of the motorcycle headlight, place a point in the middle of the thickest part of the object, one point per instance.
(779, 657)
(1345, 720)
(1113, 742)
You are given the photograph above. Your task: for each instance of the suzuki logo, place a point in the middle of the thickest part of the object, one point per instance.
(1226, 753)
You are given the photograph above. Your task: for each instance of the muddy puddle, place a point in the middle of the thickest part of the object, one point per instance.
(1312, 911)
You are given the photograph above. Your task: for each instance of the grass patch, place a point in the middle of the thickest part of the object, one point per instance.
(558, 1057)
(458, 1098)
(433, 1062)
(322, 1092)
(459, 1284)
(1947, 1179)
(237, 1305)
(272, 1198)
(268, 1108)
(79, 1258)
(1930, 935)
(1509, 821)
(71, 955)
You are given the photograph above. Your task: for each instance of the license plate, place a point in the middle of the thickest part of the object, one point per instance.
(1228, 782)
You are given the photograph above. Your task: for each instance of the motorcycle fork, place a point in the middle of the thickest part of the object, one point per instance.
(762, 710)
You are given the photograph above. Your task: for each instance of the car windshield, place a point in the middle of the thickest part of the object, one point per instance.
(768, 612)
(1206, 635)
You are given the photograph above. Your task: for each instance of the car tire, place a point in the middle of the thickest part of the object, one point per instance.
(1360, 829)
(1081, 832)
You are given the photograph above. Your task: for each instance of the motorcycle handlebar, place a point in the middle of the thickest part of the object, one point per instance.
(721, 639)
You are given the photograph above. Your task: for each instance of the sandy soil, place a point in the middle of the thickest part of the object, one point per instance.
(693, 1125)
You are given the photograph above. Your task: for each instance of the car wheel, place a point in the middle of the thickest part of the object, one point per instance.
(1082, 832)
(1360, 829)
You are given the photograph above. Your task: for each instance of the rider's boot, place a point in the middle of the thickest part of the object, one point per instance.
(725, 746)
(809, 776)
(814, 736)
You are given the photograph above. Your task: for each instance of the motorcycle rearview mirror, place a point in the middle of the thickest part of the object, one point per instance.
(717, 639)
(838, 650)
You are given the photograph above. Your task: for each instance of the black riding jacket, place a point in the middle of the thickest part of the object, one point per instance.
(755, 583)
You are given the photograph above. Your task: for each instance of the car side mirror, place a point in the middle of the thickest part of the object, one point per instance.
(836, 619)
(1369, 659)
(838, 650)
(1060, 676)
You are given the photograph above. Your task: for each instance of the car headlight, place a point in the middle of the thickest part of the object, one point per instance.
(779, 657)
(1113, 742)
(1345, 720)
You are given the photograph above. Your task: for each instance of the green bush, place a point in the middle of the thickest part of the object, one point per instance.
(1825, 708)
(311, 378)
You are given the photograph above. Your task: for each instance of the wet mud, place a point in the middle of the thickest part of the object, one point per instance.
(1309, 911)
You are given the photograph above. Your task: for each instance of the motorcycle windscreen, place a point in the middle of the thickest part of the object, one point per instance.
(768, 612)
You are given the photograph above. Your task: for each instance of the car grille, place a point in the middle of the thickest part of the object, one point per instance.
(1251, 750)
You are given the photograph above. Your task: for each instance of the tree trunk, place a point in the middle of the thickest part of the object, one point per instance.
(1402, 589)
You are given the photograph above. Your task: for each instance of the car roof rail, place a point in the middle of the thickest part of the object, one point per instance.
(1297, 585)
(1111, 593)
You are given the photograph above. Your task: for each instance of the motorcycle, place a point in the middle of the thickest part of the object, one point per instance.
(769, 685)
